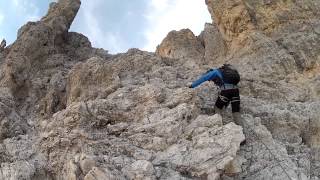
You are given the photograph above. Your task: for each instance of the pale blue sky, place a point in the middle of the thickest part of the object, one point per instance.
(115, 25)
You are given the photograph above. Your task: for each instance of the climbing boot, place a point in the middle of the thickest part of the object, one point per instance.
(217, 110)
(207, 110)
(237, 118)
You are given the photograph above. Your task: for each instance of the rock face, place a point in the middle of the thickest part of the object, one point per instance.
(179, 44)
(70, 111)
(214, 44)
(182, 45)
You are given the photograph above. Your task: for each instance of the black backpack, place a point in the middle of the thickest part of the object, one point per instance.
(230, 74)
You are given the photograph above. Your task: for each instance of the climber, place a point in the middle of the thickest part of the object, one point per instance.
(227, 79)
(3, 45)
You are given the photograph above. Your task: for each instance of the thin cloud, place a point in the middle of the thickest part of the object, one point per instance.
(19, 12)
(89, 24)
(1, 19)
(114, 26)
(1, 23)
(165, 16)
(26, 7)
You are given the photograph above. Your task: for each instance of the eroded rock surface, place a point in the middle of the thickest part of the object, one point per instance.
(179, 44)
(70, 111)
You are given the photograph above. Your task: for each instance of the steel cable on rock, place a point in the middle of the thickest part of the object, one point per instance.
(274, 156)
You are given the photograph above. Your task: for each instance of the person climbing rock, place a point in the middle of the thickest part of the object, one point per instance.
(227, 79)
(3, 45)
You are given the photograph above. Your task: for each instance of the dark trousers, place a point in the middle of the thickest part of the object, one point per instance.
(229, 95)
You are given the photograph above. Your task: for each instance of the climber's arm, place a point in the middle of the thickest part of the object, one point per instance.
(204, 78)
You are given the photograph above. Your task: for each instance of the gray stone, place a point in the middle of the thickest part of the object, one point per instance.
(71, 111)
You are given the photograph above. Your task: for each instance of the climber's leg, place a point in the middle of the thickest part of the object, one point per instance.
(222, 101)
(235, 104)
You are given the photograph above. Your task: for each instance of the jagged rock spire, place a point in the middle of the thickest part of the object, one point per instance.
(61, 14)
(36, 41)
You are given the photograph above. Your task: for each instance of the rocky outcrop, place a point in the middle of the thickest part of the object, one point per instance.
(214, 44)
(12, 124)
(36, 67)
(269, 158)
(69, 115)
(288, 23)
(271, 16)
(142, 148)
(233, 19)
(61, 15)
(36, 43)
(70, 111)
(181, 44)
(3, 45)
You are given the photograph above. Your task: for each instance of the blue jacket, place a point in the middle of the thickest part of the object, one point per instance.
(216, 73)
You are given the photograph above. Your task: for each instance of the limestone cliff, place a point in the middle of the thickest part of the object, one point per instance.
(70, 111)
